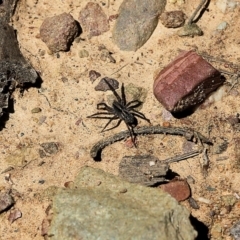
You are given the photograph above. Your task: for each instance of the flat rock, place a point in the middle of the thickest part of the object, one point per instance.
(93, 20)
(58, 32)
(102, 206)
(136, 22)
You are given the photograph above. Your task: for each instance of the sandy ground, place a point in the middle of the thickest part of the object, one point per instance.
(67, 97)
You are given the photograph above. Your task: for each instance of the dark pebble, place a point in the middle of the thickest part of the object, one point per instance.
(93, 75)
(6, 201)
(102, 86)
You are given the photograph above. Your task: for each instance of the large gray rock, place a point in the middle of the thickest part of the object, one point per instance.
(136, 22)
(102, 206)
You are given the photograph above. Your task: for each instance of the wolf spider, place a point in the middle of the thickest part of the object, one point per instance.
(121, 111)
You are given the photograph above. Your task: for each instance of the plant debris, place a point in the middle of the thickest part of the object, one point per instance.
(189, 134)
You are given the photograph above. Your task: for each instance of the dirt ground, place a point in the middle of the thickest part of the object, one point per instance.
(67, 97)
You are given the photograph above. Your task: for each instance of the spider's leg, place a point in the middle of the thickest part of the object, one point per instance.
(95, 115)
(124, 101)
(137, 104)
(132, 135)
(140, 115)
(113, 118)
(114, 91)
(104, 106)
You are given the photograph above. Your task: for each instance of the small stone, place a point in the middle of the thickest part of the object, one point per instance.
(179, 189)
(14, 215)
(36, 110)
(107, 56)
(186, 82)
(216, 231)
(83, 53)
(237, 152)
(50, 147)
(136, 22)
(6, 201)
(102, 86)
(221, 146)
(193, 203)
(222, 26)
(93, 75)
(235, 230)
(42, 154)
(190, 30)
(173, 19)
(58, 32)
(228, 200)
(93, 20)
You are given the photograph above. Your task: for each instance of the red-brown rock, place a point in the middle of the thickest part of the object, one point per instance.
(186, 82)
(93, 20)
(179, 189)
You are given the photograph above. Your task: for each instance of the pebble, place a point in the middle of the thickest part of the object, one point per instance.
(222, 26)
(173, 19)
(190, 30)
(235, 230)
(179, 189)
(14, 215)
(204, 200)
(83, 53)
(136, 22)
(216, 231)
(36, 110)
(50, 147)
(193, 203)
(93, 75)
(102, 86)
(93, 20)
(58, 32)
(6, 201)
(228, 200)
(237, 152)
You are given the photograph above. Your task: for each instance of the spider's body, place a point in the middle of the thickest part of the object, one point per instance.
(121, 111)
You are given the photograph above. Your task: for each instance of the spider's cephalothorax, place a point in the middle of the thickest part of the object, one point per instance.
(121, 111)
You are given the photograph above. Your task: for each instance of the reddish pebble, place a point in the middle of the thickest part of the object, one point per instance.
(14, 215)
(129, 143)
(179, 189)
(186, 82)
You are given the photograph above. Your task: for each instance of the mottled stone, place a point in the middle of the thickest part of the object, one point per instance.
(235, 230)
(50, 147)
(6, 201)
(136, 22)
(58, 32)
(115, 209)
(190, 30)
(186, 82)
(173, 19)
(93, 20)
